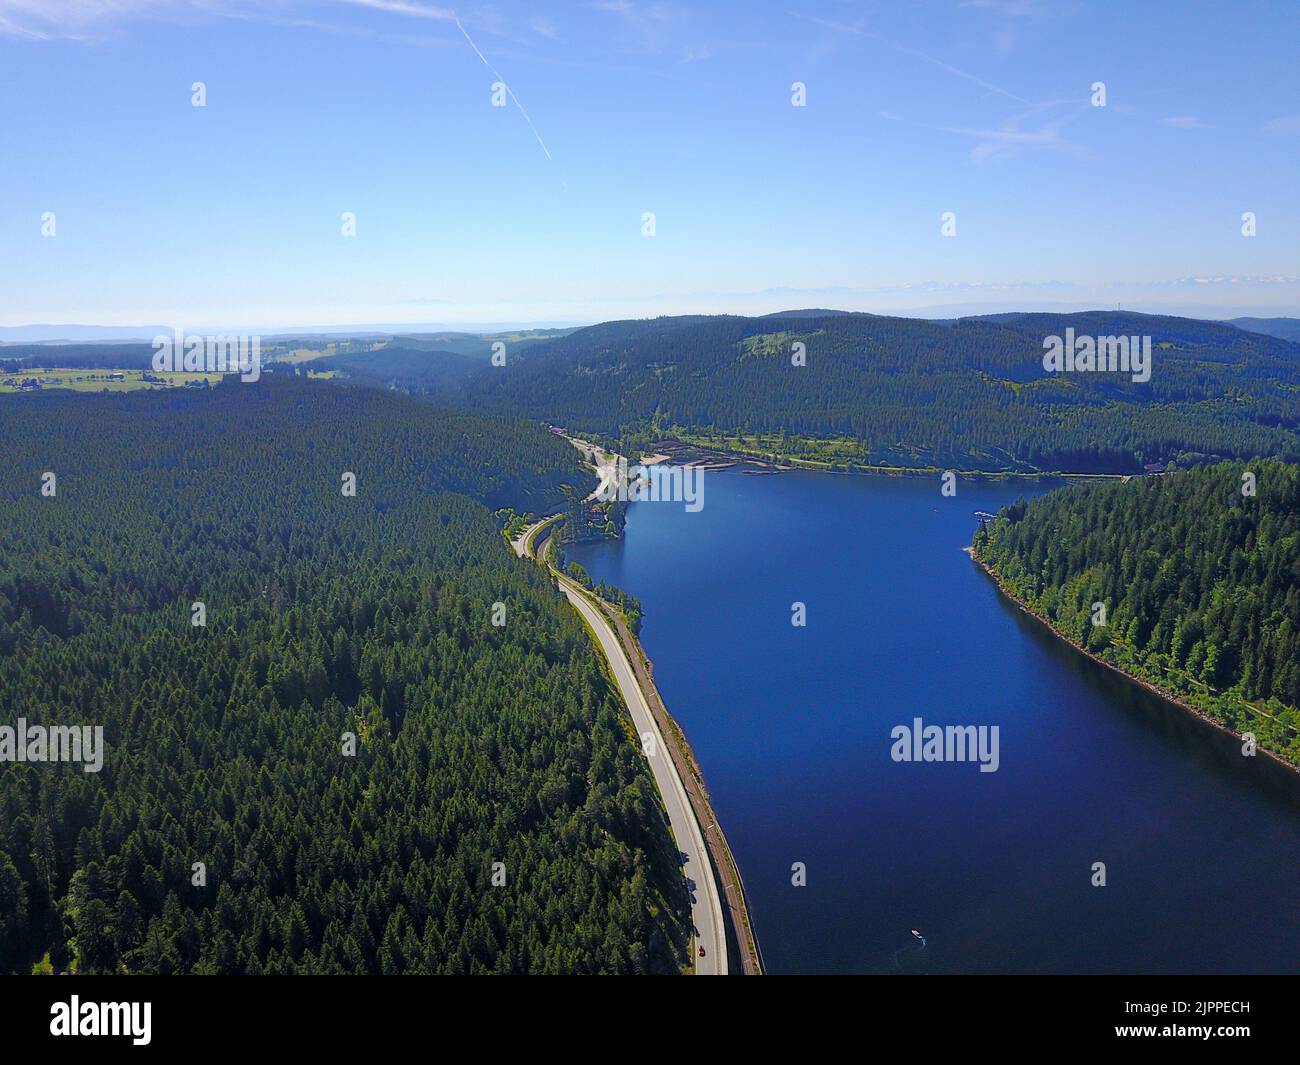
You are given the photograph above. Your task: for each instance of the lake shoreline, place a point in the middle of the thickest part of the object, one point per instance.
(892, 471)
(536, 543)
(787, 730)
(726, 869)
(791, 464)
(1154, 689)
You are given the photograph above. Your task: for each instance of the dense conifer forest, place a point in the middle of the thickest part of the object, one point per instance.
(967, 394)
(326, 614)
(1199, 574)
(371, 614)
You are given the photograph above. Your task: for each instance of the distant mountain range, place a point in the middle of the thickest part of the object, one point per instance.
(73, 334)
(1286, 328)
(966, 393)
(112, 334)
(969, 393)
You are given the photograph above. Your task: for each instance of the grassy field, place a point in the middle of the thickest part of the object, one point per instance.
(811, 450)
(296, 355)
(842, 453)
(97, 380)
(304, 354)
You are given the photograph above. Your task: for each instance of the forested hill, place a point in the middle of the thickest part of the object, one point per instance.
(326, 614)
(1200, 582)
(970, 393)
(15, 358)
(421, 371)
(1286, 328)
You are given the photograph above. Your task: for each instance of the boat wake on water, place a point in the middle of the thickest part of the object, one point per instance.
(918, 946)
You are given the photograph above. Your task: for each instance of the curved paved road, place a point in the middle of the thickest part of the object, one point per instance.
(706, 906)
(521, 542)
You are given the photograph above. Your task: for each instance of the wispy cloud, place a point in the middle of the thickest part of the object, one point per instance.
(88, 20)
(416, 9)
(1020, 132)
(543, 27)
(44, 20)
(503, 81)
(957, 72)
(1287, 125)
(858, 29)
(1184, 122)
(413, 8)
(1014, 16)
(647, 23)
(1037, 125)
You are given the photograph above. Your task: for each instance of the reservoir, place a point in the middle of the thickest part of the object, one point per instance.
(792, 727)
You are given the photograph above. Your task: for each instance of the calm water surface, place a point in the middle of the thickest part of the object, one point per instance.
(792, 727)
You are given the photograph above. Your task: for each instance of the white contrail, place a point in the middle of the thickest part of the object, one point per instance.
(442, 14)
(508, 88)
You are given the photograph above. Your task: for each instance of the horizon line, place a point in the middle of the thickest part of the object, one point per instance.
(388, 329)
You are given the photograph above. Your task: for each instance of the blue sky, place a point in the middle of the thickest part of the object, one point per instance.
(229, 215)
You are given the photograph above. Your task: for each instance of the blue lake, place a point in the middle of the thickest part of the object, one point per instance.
(792, 728)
